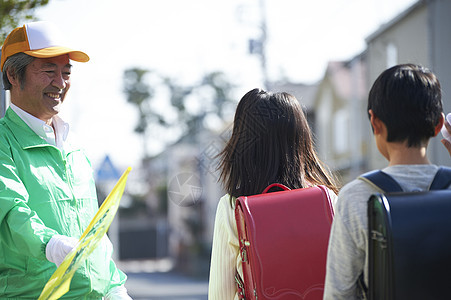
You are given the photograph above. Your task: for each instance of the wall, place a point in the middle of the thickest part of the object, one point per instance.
(440, 48)
(410, 35)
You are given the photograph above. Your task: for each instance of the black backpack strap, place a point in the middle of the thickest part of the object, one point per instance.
(363, 288)
(382, 181)
(442, 179)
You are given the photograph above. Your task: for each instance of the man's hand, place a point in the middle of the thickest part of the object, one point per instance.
(58, 247)
(117, 293)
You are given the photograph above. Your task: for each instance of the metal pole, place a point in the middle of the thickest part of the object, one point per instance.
(263, 40)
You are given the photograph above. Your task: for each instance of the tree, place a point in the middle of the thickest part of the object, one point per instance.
(138, 92)
(212, 92)
(14, 11)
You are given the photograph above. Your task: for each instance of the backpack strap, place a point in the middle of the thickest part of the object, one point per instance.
(442, 179)
(382, 181)
(275, 185)
(386, 183)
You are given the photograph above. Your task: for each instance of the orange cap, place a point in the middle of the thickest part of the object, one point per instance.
(38, 39)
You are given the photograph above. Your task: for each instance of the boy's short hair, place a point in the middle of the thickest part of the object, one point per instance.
(408, 99)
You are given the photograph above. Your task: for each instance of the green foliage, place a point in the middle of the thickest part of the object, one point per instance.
(212, 94)
(12, 12)
(221, 87)
(138, 92)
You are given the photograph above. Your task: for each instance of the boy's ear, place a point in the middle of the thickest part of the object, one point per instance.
(376, 123)
(439, 125)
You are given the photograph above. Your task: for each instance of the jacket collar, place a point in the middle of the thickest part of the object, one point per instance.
(26, 137)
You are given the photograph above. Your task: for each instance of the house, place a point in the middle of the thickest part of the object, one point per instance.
(187, 173)
(340, 125)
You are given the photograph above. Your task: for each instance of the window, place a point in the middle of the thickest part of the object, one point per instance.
(341, 131)
(392, 55)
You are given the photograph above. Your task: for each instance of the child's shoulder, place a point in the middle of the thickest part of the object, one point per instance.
(357, 186)
(354, 195)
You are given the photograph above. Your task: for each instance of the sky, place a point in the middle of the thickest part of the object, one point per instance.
(186, 39)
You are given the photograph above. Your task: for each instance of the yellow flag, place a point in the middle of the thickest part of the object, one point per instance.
(59, 283)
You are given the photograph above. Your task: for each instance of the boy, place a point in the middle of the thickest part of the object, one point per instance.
(405, 111)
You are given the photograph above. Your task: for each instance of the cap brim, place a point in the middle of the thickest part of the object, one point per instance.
(57, 51)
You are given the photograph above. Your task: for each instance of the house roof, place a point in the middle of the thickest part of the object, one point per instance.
(395, 20)
(305, 93)
(347, 77)
(340, 77)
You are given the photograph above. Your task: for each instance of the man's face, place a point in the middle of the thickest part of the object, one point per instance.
(47, 81)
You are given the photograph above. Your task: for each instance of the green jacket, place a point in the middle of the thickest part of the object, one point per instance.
(46, 191)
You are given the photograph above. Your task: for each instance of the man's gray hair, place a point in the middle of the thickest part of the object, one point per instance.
(16, 64)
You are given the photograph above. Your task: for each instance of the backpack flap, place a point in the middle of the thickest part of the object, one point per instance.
(287, 235)
(421, 244)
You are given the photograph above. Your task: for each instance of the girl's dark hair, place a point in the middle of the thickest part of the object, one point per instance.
(271, 142)
(407, 98)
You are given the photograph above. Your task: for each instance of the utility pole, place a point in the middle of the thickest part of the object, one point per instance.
(258, 46)
(263, 43)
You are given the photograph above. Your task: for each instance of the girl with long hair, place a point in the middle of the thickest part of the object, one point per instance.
(271, 142)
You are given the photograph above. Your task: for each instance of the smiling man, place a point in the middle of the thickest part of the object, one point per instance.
(47, 190)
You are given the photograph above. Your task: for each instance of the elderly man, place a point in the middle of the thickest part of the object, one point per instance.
(47, 191)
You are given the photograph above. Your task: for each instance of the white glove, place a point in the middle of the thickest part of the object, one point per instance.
(58, 247)
(117, 293)
(445, 132)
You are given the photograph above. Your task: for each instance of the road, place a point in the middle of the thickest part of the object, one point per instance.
(159, 283)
